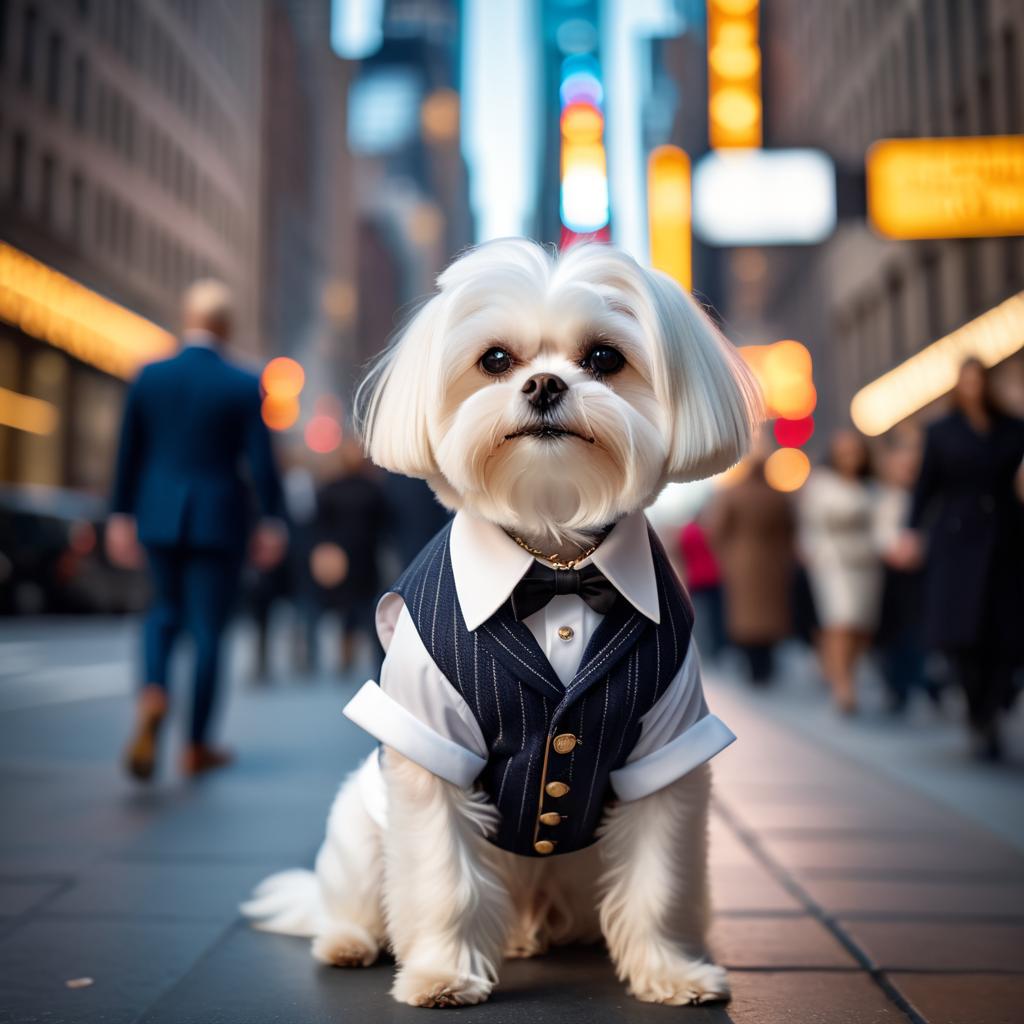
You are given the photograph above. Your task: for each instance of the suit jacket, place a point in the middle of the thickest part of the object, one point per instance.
(965, 499)
(191, 429)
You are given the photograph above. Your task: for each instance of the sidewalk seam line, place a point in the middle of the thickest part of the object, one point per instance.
(793, 887)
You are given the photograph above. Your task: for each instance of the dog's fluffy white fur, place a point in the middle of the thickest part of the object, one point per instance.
(429, 885)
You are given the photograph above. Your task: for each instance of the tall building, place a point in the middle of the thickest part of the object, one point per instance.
(840, 75)
(129, 162)
(307, 208)
(411, 183)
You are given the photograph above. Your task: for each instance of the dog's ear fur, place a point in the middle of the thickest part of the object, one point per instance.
(711, 398)
(393, 400)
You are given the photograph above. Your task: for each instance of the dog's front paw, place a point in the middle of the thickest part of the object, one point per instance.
(346, 945)
(421, 986)
(681, 984)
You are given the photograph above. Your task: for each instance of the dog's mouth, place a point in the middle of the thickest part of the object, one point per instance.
(548, 432)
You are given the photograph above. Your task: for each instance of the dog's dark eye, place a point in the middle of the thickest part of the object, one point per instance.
(496, 361)
(604, 360)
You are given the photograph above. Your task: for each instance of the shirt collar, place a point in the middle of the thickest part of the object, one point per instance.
(487, 564)
(198, 338)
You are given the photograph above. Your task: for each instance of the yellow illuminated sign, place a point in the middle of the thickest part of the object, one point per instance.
(947, 188)
(23, 412)
(734, 75)
(668, 213)
(53, 308)
(932, 373)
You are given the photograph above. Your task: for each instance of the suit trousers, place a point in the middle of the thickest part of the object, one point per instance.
(194, 590)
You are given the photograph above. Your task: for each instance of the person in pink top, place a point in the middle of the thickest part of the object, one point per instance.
(704, 581)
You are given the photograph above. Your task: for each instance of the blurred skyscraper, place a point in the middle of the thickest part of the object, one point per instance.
(144, 144)
(129, 161)
(307, 212)
(412, 193)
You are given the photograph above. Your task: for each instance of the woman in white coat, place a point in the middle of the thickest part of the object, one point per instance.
(839, 551)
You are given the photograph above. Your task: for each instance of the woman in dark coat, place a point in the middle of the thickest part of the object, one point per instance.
(965, 500)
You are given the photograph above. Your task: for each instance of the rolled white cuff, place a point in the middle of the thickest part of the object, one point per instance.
(647, 775)
(395, 726)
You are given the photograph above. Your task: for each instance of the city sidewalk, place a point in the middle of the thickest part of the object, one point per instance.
(843, 894)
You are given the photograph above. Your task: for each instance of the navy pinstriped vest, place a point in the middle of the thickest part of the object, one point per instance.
(552, 747)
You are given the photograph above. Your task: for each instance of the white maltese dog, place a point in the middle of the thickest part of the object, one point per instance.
(542, 773)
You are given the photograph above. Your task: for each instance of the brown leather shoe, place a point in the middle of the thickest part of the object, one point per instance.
(140, 757)
(199, 759)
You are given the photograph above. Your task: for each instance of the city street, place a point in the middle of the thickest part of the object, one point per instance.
(855, 877)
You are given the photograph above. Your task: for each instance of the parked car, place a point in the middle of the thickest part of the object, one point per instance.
(52, 558)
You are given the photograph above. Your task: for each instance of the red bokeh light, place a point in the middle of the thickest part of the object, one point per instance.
(323, 434)
(794, 433)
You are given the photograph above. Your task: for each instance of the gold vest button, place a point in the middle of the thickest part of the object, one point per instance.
(551, 818)
(564, 743)
(544, 846)
(565, 633)
(556, 789)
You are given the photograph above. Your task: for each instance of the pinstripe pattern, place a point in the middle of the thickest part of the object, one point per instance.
(508, 683)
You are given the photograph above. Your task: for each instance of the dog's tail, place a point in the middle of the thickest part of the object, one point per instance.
(288, 903)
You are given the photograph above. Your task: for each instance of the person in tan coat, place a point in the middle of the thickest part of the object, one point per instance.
(752, 530)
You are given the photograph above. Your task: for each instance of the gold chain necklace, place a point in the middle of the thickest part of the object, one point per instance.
(556, 559)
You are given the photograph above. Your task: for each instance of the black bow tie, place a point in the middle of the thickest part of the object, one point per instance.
(542, 583)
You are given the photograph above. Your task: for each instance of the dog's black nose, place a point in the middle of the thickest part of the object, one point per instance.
(544, 390)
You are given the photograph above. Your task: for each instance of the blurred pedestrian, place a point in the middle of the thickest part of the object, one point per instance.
(189, 422)
(351, 523)
(288, 582)
(300, 500)
(414, 514)
(965, 502)
(838, 548)
(751, 527)
(900, 638)
(703, 579)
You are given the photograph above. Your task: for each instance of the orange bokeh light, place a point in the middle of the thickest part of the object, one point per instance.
(582, 123)
(787, 469)
(283, 378)
(785, 372)
(280, 413)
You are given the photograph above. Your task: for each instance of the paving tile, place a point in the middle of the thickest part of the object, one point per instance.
(946, 946)
(845, 817)
(895, 857)
(776, 942)
(964, 998)
(20, 897)
(725, 846)
(272, 979)
(203, 892)
(915, 897)
(130, 964)
(808, 997)
(228, 831)
(748, 887)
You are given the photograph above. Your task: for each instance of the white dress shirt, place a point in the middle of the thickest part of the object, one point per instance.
(416, 710)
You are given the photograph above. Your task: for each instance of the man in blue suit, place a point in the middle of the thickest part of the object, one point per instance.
(191, 424)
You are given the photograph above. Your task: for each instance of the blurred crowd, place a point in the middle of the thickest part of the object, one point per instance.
(352, 528)
(909, 555)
